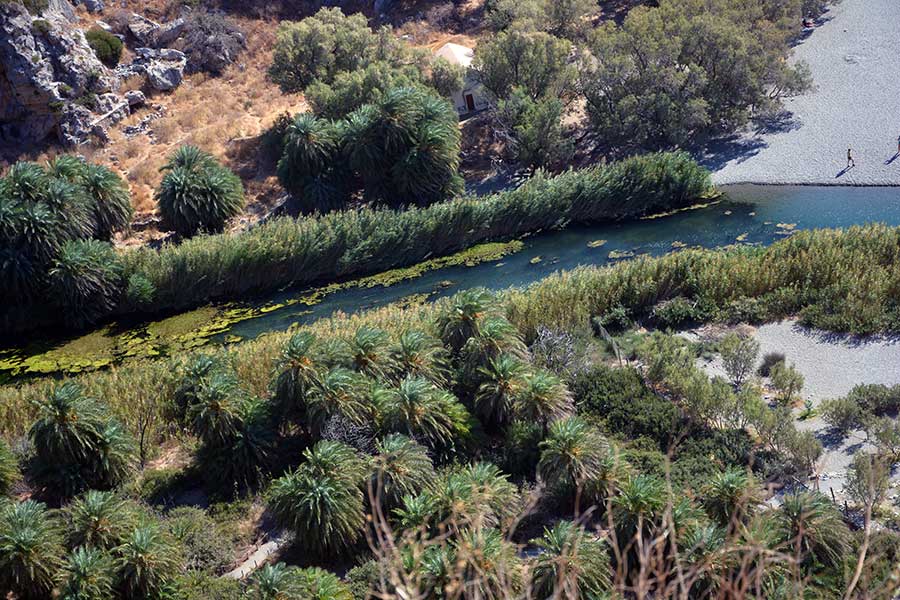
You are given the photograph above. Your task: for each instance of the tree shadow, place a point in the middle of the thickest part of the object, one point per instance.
(718, 152)
(893, 158)
(831, 438)
(781, 121)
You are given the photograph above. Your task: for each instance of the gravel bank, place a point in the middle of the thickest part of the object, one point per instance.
(854, 56)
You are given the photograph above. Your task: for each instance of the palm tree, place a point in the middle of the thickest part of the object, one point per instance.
(148, 561)
(417, 354)
(338, 393)
(110, 200)
(370, 352)
(486, 564)
(309, 165)
(314, 583)
(329, 458)
(30, 549)
(637, 507)
(573, 454)
(571, 564)
(86, 279)
(190, 381)
(115, 456)
(98, 520)
(9, 469)
(243, 460)
(462, 317)
(87, 575)
(543, 398)
(298, 370)
(197, 193)
(424, 412)
(416, 512)
(402, 467)
(812, 527)
(502, 382)
(215, 414)
(325, 512)
(72, 206)
(66, 436)
(729, 498)
(475, 495)
(274, 582)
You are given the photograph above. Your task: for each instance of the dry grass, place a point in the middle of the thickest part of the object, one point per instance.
(210, 112)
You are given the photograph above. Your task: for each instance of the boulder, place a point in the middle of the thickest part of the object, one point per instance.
(168, 33)
(165, 75)
(92, 6)
(135, 98)
(143, 29)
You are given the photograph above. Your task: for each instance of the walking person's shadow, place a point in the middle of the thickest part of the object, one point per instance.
(893, 158)
(843, 171)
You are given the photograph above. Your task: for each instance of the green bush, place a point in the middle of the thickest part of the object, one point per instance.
(86, 281)
(9, 469)
(626, 407)
(105, 45)
(197, 193)
(205, 547)
(770, 359)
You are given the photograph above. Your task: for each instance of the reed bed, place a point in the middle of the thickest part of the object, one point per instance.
(365, 241)
(840, 280)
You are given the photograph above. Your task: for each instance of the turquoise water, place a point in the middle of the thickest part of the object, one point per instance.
(751, 213)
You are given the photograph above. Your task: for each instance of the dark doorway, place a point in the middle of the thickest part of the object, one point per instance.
(470, 102)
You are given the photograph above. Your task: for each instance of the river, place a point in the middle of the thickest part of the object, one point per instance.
(747, 214)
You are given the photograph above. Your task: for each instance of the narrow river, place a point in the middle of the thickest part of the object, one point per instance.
(746, 215)
(749, 214)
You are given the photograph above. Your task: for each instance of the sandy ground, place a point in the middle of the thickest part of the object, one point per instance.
(854, 56)
(831, 365)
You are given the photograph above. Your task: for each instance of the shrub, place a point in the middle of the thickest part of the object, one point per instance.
(197, 193)
(105, 45)
(770, 359)
(738, 356)
(787, 382)
(205, 547)
(211, 41)
(844, 414)
(675, 313)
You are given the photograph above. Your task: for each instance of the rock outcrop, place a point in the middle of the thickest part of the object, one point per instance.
(48, 76)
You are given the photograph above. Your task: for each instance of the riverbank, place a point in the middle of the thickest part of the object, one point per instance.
(855, 64)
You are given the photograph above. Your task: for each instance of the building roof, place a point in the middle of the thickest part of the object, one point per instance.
(456, 54)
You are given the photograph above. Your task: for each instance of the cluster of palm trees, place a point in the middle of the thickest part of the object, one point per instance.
(401, 149)
(55, 224)
(397, 431)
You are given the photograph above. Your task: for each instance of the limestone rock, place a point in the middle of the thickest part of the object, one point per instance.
(92, 6)
(45, 70)
(143, 29)
(135, 98)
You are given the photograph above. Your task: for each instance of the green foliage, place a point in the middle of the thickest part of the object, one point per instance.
(572, 453)
(99, 520)
(639, 92)
(729, 497)
(77, 446)
(534, 62)
(9, 469)
(112, 211)
(738, 356)
(197, 193)
(321, 501)
(770, 359)
(537, 136)
(148, 562)
(351, 90)
(86, 281)
(419, 409)
(87, 575)
(322, 46)
(205, 546)
(787, 381)
(402, 467)
(446, 77)
(571, 559)
(843, 414)
(30, 549)
(402, 149)
(105, 45)
(812, 526)
(564, 18)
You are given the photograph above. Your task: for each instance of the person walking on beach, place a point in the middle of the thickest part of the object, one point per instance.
(850, 162)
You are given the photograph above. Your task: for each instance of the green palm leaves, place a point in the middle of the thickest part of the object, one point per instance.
(572, 564)
(424, 412)
(47, 219)
(148, 561)
(279, 582)
(30, 549)
(86, 575)
(401, 467)
(811, 526)
(76, 445)
(322, 500)
(197, 193)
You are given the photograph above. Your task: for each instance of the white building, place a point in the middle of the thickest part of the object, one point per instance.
(472, 97)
